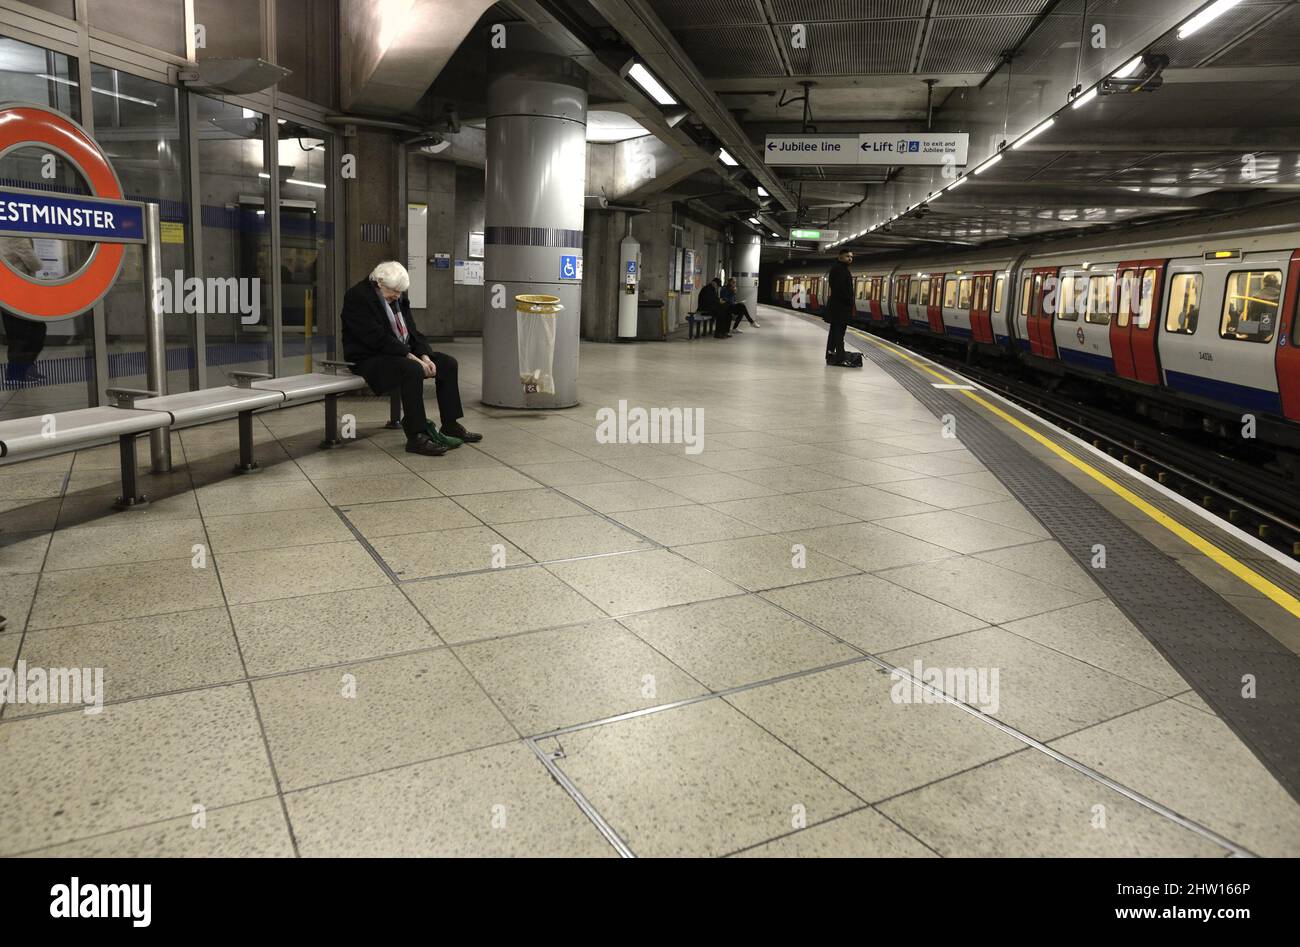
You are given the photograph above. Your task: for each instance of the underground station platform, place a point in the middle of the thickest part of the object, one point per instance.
(656, 429)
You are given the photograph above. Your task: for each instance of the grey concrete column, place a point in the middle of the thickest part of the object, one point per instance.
(744, 267)
(536, 185)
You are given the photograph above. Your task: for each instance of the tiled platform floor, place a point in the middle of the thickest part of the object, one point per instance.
(347, 671)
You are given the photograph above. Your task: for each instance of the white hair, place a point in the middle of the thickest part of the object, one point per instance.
(391, 275)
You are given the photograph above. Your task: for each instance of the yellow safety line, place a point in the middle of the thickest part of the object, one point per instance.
(1209, 549)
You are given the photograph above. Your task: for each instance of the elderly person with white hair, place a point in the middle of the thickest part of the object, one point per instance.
(381, 340)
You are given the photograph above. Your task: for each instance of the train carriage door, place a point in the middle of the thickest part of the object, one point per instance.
(1121, 346)
(1288, 351)
(935, 311)
(980, 325)
(1047, 298)
(900, 304)
(1144, 332)
(876, 312)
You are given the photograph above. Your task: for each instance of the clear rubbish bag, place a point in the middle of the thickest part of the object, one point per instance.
(536, 317)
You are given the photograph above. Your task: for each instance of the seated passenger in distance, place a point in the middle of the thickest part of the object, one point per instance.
(386, 349)
(737, 309)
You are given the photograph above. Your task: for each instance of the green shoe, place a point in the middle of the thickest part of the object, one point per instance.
(439, 438)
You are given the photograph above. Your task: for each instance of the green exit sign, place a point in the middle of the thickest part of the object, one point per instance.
(814, 234)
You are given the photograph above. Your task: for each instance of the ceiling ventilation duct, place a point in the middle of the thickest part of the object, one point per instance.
(232, 76)
(395, 49)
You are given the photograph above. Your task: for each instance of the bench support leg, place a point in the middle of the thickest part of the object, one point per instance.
(394, 411)
(131, 498)
(246, 462)
(332, 438)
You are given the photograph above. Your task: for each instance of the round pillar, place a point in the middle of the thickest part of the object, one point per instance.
(745, 255)
(536, 183)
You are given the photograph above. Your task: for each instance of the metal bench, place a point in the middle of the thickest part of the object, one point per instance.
(699, 325)
(29, 438)
(135, 412)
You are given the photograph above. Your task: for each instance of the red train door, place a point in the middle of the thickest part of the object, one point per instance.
(1041, 340)
(934, 312)
(900, 300)
(876, 313)
(1133, 332)
(981, 328)
(1288, 353)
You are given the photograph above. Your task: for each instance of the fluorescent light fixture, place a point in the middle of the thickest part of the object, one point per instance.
(302, 183)
(726, 158)
(1130, 68)
(1034, 133)
(1084, 99)
(957, 183)
(754, 220)
(263, 174)
(650, 85)
(1208, 15)
(762, 191)
(987, 164)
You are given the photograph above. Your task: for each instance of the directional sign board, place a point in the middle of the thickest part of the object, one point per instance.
(821, 236)
(887, 149)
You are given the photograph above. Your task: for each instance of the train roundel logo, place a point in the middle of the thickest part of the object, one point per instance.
(26, 126)
(1079, 335)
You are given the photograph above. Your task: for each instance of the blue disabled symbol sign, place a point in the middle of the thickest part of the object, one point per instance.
(569, 267)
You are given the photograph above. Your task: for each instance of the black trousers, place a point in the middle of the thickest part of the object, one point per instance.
(721, 320)
(835, 337)
(24, 339)
(411, 385)
(741, 311)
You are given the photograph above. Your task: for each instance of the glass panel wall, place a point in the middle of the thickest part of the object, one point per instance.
(47, 366)
(138, 123)
(235, 191)
(306, 247)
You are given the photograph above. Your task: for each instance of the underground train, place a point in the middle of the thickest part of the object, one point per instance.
(1188, 324)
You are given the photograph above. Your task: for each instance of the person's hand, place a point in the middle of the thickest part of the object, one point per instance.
(430, 369)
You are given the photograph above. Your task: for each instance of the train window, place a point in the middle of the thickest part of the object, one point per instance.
(1100, 291)
(1184, 303)
(1037, 301)
(916, 289)
(963, 294)
(950, 294)
(1146, 299)
(981, 292)
(1067, 302)
(999, 293)
(1026, 296)
(1128, 281)
(1250, 305)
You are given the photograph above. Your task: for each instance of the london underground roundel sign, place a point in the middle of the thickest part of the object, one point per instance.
(105, 218)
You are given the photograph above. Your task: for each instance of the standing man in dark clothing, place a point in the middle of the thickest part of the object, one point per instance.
(381, 340)
(710, 301)
(24, 338)
(839, 308)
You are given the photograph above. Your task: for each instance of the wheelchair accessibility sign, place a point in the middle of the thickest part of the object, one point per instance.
(571, 267)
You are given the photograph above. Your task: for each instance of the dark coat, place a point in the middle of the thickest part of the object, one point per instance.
(708, 301)
(840, 304)
(368, 339)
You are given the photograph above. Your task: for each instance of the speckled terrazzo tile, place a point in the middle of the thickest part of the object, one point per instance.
(982, 589)
(405, 709)
(1097, 632)
(679, 525)
(253, 496)
(640, 581)
(16, 594)
(1048, 562)
(846, 722)
(1028, 805)
(517, 506)
(1190, 761)
(23, 553)
(734, 641)
(142, 656)
(575, 473)
(627, 495)
(713, 487)
(500, 602)
(263, 574)
(695, 780)
(296, 633)
(871, 613)
(764, 562)
(85, 509)
(862, 834)
(124, 540)
(606, 671)
(135, 762)
(868, 547)
(130, 590)
(570, 537)
(377, 520)
(248, 531)
(28, 516)
(445, 552)
(341, 491)
(455, 482)
(495, 802)
(247, 830)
